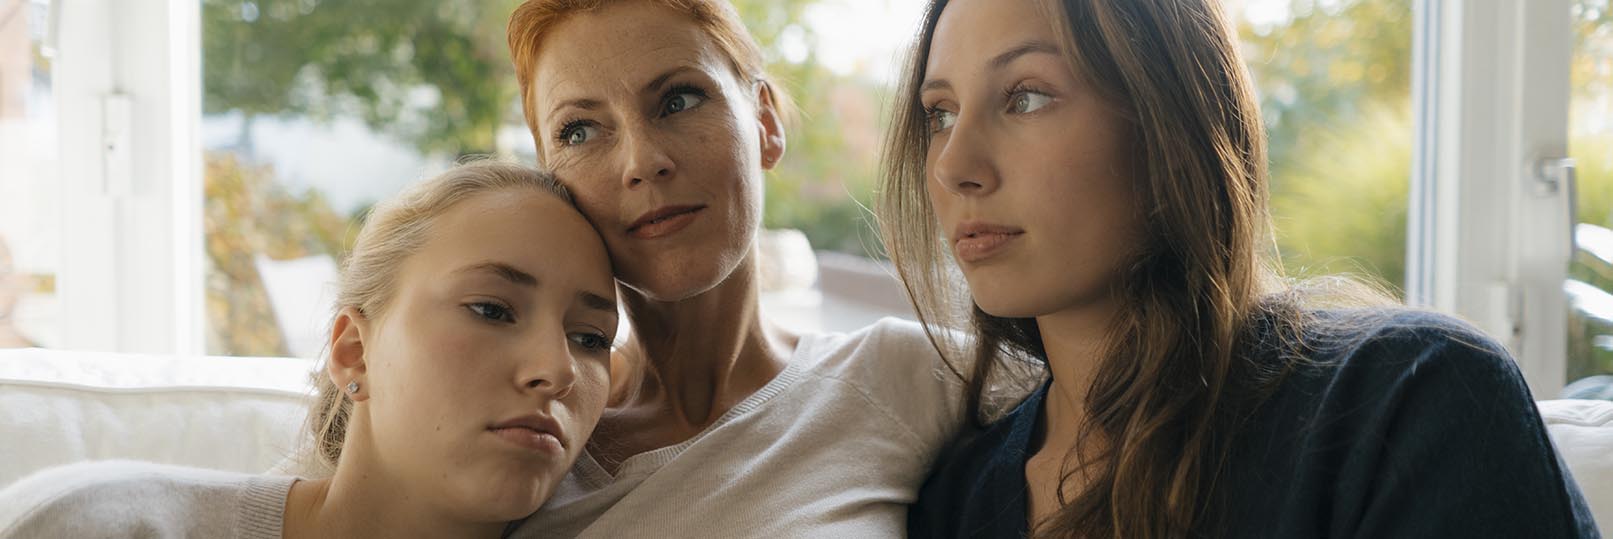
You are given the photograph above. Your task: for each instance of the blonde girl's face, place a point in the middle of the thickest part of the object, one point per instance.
(489, 368)
(1027, 165)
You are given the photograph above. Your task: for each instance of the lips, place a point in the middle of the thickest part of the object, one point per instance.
(664, 221)
(976, 241)
(533, 432)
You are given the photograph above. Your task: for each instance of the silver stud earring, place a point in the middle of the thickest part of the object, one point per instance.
(352, 388)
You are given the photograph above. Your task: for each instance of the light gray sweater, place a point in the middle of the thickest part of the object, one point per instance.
(125, 499)
(836, 446)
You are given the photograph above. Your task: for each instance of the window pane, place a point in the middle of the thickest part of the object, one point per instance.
(1590, 321)
(1335, 86)
(29, 200)
(312, 112)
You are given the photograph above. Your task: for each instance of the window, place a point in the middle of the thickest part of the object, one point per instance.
(1335, 86)
(29, 203)
(313, 111)
(1590, 321)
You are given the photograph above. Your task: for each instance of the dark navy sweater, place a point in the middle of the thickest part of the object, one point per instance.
(1419, 427)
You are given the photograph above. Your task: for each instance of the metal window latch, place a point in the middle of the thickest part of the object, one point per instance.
(1551, 176)
(1557, 175)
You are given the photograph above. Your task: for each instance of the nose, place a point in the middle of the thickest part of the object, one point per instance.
(549, 369)
(964, 166)
(647, 159)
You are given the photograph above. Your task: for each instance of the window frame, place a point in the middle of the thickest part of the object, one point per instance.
(1489, 235)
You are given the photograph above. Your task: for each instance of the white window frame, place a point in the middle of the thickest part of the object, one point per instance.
(1490, 237)
(127, 81)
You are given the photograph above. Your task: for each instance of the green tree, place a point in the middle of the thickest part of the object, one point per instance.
(434, 74)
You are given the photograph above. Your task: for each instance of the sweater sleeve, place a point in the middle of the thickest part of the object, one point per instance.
(134, 499)
(1463, 453)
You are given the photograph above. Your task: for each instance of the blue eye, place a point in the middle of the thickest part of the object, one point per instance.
(577, 133)
(681, 99)
(492, 312)
(591, 341)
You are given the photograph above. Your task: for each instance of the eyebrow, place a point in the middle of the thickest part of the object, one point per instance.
(508, 272)
(1026, 48)
(596, 302)
(581, 103)
(520, 278)
(657, 82)
(999, 62)
(595, 104)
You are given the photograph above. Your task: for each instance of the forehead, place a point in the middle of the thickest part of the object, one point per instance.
(970, 32)
(613, 47)
(535, 231)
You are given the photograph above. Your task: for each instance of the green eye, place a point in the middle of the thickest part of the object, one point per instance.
(1026, 102)
(941, 120)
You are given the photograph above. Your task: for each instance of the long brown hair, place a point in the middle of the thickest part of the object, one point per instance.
(1177, 374)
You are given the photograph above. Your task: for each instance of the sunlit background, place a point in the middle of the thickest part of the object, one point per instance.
(313, 110)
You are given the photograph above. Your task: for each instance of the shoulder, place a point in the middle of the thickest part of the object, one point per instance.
(106, 498)
(891, 348)
(893, 366)
(1408, 346)
(884, 336)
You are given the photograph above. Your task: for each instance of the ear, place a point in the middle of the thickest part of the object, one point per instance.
(347, 364)
(771, 121)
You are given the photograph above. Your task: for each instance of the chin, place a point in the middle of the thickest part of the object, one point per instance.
(509, 502)
(685, 273)
(1014, 302)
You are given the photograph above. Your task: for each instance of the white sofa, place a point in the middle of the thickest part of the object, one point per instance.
(246, 414)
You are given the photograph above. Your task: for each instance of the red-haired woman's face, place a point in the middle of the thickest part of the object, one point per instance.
(640, 113)
(1027, 167)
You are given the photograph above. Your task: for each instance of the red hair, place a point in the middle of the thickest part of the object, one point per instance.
(534, 19)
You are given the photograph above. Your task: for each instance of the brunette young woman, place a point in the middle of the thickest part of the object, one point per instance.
(1097, 171)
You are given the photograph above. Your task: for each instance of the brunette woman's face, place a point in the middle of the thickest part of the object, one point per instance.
(640, 112)
(489, 368)
(1027, 166)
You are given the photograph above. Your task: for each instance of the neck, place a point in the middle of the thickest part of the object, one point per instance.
(1074, 340)
(702, 355)
(363, 500)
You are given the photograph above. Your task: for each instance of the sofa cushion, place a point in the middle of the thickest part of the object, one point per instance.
(1583, 432)
(238, 414)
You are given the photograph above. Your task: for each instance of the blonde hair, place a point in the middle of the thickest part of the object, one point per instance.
(393, 231)
(534, 19)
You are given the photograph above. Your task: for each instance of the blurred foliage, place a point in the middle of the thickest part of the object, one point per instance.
(1344, 203)
(828, 174)
(1590, 347)
(249, 214)
(1332, 61)
(434, 74)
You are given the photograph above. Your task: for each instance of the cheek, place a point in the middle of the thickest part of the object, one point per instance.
(589, 394)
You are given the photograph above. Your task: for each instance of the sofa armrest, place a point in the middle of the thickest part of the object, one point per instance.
(238, 414)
